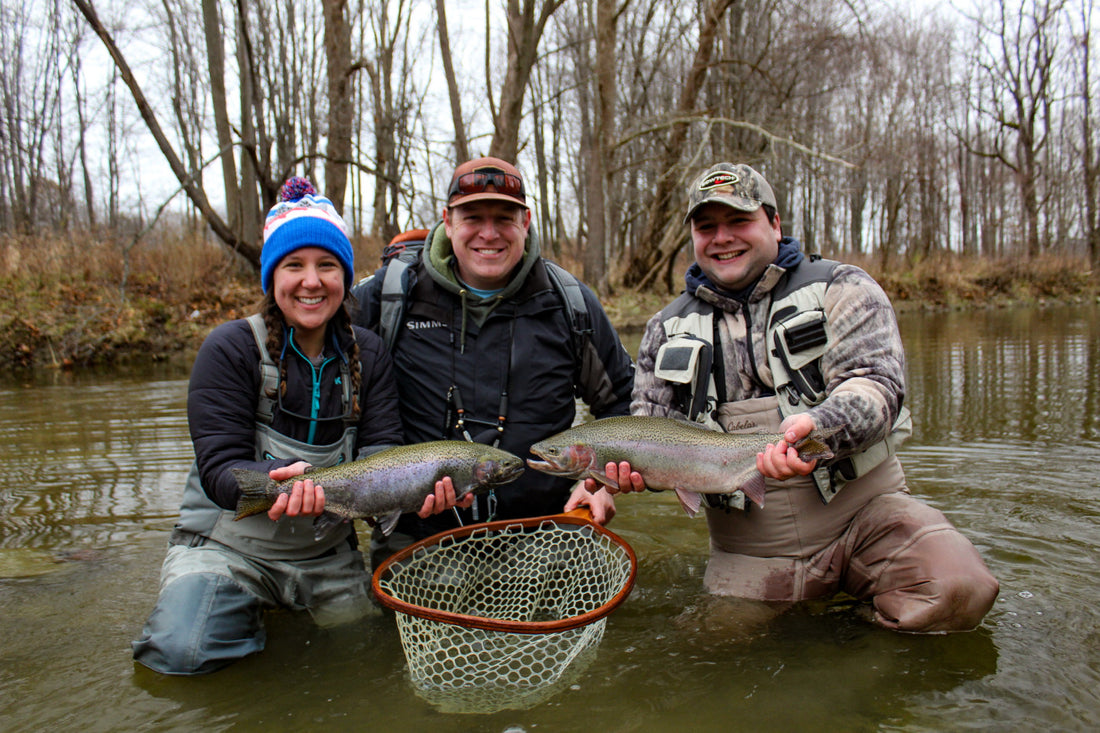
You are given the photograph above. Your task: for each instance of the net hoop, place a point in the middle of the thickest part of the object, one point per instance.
(579, 517)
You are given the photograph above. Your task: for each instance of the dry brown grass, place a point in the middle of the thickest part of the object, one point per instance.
(948, 280)
(86, 300)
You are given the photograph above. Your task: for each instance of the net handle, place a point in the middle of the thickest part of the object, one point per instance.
(580, 516)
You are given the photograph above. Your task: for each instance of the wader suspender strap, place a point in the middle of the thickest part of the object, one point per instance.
(269, 372)
(269, 377)
(575, 308)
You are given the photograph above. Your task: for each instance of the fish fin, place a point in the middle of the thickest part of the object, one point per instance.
(689, 500)
(325, 523)
(601, 478)
(255, 494)
(751, 483)
(388, 522)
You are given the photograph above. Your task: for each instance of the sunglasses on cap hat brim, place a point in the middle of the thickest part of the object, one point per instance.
(479, 181)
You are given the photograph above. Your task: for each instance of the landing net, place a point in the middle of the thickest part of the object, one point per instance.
(505, 606)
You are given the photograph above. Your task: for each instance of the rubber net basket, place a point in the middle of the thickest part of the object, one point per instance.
(505, 606)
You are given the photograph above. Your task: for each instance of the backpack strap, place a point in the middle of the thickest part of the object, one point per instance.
(569, 290)
(269, 371)
(591, 380)
(391, 306)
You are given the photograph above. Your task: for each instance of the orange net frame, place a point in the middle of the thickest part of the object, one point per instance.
(508, 604)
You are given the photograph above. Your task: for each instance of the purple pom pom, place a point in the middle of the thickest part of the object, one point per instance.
(295, 188)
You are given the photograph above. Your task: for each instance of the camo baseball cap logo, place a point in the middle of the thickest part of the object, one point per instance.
(735, 185)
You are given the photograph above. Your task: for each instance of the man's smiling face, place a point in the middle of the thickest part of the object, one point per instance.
(487, 238)
(734, 247)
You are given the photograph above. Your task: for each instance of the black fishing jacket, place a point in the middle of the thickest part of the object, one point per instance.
(518, 364)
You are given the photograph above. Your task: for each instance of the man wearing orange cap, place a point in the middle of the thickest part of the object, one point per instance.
(484, 349)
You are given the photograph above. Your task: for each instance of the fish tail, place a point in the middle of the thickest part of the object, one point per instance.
(258, 492)
(810, 449)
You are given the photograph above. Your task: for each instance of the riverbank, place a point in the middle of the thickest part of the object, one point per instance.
(78, 303)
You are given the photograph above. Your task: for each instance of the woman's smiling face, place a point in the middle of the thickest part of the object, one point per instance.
(308, 285)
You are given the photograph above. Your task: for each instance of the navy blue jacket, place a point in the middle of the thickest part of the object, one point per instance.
(224, 392)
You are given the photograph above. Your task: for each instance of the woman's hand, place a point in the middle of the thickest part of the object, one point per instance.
(600, 503)
(305, 499)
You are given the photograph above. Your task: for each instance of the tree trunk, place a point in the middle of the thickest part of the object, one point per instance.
(340, 111)
(524, 32)
(600, 169)
(215, 62)
(194, 191)
(462, 148)
(655, 247)
(251, 224)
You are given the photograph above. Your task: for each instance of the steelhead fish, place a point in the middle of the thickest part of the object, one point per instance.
(388, 483)
(669, 454)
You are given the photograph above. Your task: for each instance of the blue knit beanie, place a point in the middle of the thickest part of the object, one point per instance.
(303, 218)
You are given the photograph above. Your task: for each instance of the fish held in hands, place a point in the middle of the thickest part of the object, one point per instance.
(388, 483)
(669, 454)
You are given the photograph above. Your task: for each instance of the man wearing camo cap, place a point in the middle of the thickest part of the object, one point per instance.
(766, 338)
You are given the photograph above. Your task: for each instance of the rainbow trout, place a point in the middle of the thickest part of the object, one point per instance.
(669, 454)
(388, 483)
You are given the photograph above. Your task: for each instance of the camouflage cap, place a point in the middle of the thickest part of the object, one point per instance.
(734, 184)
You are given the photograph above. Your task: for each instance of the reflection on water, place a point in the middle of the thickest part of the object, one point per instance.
(1006, 443)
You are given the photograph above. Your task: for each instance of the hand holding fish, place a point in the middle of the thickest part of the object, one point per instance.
(305, 499)
(443, 499)
(781, 460)
(613, 471)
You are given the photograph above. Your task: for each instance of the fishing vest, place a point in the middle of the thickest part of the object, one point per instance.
(290, 538)
(796, 337)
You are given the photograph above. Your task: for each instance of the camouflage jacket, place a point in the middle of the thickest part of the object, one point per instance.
(863, 371)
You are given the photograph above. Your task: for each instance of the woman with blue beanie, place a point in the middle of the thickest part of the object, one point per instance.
(293, 386)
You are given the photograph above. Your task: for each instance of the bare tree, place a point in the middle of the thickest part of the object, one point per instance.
(1016, 53)
(462, 147)
(193, 189)
(1090, 153)
(659, 240)
(526, 23)
(340, 112)
(215, 62)
(601, 165)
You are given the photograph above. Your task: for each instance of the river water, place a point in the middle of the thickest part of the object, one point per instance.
(1007, 444)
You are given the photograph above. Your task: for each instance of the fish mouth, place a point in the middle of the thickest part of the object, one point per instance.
(510, 473)
(547, 467)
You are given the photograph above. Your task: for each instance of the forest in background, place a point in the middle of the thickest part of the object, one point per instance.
(906, 139)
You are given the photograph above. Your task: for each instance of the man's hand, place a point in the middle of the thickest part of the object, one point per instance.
(442, 499)
(600, 503)
(630, 480)
(780, 460)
